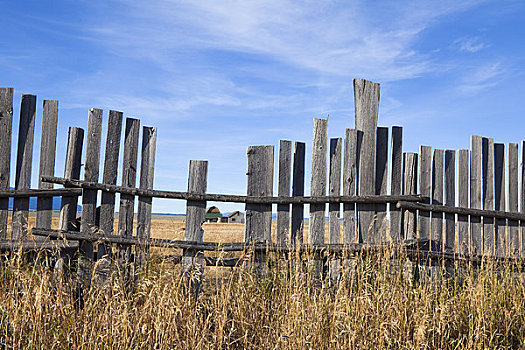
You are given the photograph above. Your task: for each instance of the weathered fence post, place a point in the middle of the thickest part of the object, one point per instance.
(463, 238)
(513, 230)
(410, 187)
(318, 188)
(258, 228)
(44, 211)
(499, 199)
(396, 221)
(283, 210)
(381, 177)
(296, 234)
(425, 188)
(437, 195)
(193, 260)
(450, 200)
(475, 193)
(334, 226)
(488, 242)
(349, 185)
(6, 120)
(24, 161)
(147, 166)
(366, 100)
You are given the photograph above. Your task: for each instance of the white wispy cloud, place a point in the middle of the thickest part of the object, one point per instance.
(472, 45)
(485, 76)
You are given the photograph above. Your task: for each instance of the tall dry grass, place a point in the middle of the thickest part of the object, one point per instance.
(376, 306)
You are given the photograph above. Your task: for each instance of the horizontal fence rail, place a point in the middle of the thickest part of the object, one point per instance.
(57, 192)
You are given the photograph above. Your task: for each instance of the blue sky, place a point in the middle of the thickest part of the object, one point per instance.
(218, 76)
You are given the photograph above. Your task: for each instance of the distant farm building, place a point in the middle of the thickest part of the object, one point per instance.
(213, 214)
(235, 217)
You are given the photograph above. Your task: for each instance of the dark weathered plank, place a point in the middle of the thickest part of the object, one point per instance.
(147, 165)
(283, 210)
(381, 177)
(68, 206)
(463, 188)
(296, 234)
(6, 121)
(425, 188)
(318, 180)
(192, 264)
(109, 176)
(349, 185)
(88, 223)
(475, 192)
(24, 161)
(513, 228)
(488, 195)
(437, 194)
(366, 100)
(396, 181)
(499, 198)
(47, 161)
(54, 192)
(127, 202)
(334, 229)
(410, 187)
(450, 200)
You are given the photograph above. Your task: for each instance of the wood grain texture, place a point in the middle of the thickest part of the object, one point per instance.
(366, 100)
(349, 185)
(6, 124)
(513, 225)
(463, 245)
(381, 186)
(334, 229)
(450, 200)
(47, 161)
(410, 187)
(68, 205)
(499, 199)
(318, 180)
(396, 182)
(296, 234)
(24, 160)
(489, 239)
(475, 192)
(437, 194)
(284, 188)
(425, 188)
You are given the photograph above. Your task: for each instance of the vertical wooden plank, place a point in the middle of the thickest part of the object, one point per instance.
(260, 183)
(366, 100)
(192, 262)
(334, 230)
(396, 181)
(463, 188)
(68, 206)
(381, 177)
(283, 210)
(349, 185)
(499, 198)
(488, 195)
(109, 176)
(48, 140)
(296, 235)
(513, 230)
(147, 166)
(437, 195)
(89, 197)
(425, 188)
(522, 198)
(475, 193)
(6, 122)
(450, 200)
(24, 161)
(410, 187)
(127, 202)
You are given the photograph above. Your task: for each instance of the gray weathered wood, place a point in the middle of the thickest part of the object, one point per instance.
(381, 186)
(88, 223)
(463, 188)
(425, 188)
(522, 198)
(68, 206)
(349, 185)
(192, 260)
(296, 234)
(54, 192)
(6, 121)
(283, 210)
(499, 198)
(334, 229)
(488, 195)
(396, 181)
(475, 192)
(127, 202)
(109, 176)
(318, 180)
(513, 225)
(258, 226)
(437, 194)
(410, 187)
(24, 161)
(366, 100)
(147, 166)
(48, 140)
(450, 200)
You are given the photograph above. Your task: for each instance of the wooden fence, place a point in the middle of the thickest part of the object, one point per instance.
(420, 202)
